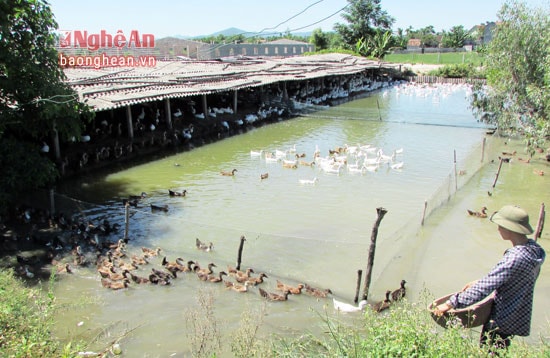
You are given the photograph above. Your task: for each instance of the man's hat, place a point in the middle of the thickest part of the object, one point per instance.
(513, 218)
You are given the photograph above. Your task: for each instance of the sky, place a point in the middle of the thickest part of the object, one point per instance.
(163, 18)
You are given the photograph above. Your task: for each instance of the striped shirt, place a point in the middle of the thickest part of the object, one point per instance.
(513, 280)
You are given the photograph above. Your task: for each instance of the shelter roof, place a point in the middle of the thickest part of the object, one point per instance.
(114, 87)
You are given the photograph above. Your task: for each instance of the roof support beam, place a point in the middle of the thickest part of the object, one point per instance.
(168, 113)
(129, 121)
(235, 101)
(204, 106)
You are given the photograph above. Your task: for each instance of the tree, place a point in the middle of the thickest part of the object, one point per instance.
(319, 39)
(364, 18)
(378, 45)
(35, 102)
(426, 35)
(518, 74)
(456, 37)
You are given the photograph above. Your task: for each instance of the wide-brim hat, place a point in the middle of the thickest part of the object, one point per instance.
(513, 218)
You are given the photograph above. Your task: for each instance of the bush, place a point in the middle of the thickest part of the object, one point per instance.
(457, 71)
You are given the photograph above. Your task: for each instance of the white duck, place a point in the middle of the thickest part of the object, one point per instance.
(308, 181)
(346, 307)
(178, 113)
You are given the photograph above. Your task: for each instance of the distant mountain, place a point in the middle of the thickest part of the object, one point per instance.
(233, 31)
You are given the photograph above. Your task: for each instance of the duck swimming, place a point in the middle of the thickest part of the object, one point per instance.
(400, 292)
(177, 193)
(274, 296)
(479, 214)
(229, 174)
(346, 307)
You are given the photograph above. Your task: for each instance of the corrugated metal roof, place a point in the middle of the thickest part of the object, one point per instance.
(114, 87)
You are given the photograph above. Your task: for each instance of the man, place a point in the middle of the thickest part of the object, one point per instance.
(513, 280)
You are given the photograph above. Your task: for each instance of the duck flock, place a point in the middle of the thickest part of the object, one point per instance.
(358, 159)
(120, 269)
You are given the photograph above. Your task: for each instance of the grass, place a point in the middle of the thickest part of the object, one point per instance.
(450, 58)
(25, 320)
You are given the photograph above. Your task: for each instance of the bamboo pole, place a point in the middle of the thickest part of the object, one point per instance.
(358, 287)
(483, 149)
(498, 173)
(424, 212)
(381, 212)
(240, 253)
(456, 177)
(540, 224)
(126, 221)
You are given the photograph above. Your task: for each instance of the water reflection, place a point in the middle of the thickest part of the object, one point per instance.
(316, 234)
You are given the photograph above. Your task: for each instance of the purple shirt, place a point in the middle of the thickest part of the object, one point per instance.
(513, 280)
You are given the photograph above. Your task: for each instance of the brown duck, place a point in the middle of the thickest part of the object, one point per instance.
(274, 296)
(383, 305)
(228, 174)
(295, 290)
(479, 214)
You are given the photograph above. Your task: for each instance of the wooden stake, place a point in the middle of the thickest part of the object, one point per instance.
(424, 212)
(381, 212)
(240, 253)
(379, 114)
(126, 221)
(498, 173)
(540, 224)
(456, 178)
(483, 149)
(358, 288)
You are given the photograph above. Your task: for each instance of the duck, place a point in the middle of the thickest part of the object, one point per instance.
(178, 113)
(308, 181)
(479, 214)
(177, 193)
(64, 268)
(162, 275)
(203, 246)
(274, 296)
(307, 164)
(138, 279)
(322, 293)
(155, 208)
(188, 267)
(173, 265)
(150, 252)
(229, 174)
(295, 290)
(346, 307)
(115, 276)
(217, 278)
(400, 292)
(207, 270)
(139, 260)
(256, 153)
(538, 172)
(398, 165)
(257, 280)
(384, 304)
(114, 285)
(290, 165)
(236, 287)
(264, 176)
(241, 276)
(157, 280)
(137, 197)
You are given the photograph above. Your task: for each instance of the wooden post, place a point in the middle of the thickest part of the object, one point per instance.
(358, 288)
(129, 122)
(240, 253)
(204, 106)
(379, 114)
(483, 149)
(126, 221)
(381, 212)
(235, 101)
(168, 113)
(498, 173)
(540, 224)
(424, 212)
(456, 178)
(55, 139)
(52, 202)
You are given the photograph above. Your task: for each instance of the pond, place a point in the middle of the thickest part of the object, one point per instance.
(298, 232)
